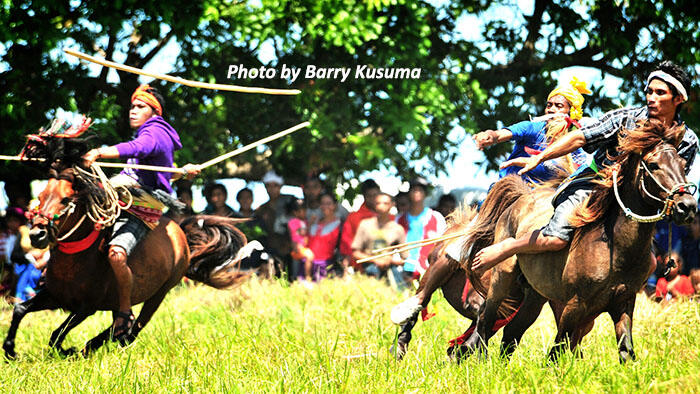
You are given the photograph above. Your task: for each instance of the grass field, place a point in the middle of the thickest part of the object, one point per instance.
(269, 336)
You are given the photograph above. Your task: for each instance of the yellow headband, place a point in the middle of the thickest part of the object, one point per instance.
(141, 93)
(573, 94)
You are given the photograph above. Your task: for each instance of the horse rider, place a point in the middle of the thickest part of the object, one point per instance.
(563, 113)
(666, 91)
(154, 143)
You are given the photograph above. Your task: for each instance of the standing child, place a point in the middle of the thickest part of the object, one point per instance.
(299, 235)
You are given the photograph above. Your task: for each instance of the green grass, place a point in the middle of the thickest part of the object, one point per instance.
(268, 336)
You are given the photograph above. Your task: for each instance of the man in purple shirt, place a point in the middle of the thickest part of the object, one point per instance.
(154, 143)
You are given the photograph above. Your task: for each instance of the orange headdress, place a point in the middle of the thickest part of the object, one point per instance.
(142, 94)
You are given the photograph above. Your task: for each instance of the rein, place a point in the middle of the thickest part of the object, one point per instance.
(103, 212)
(668, 203)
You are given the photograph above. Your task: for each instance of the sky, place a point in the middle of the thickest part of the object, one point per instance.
(462, 173)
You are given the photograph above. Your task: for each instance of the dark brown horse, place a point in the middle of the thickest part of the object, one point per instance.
(78, 275)
(448, 275)
(609, 259)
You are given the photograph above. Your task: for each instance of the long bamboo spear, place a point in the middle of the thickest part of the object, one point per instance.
(420, 241)
(199, 166)
(182, 81)
(414, 245)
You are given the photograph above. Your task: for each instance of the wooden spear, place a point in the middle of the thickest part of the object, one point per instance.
(182, 81)
(199, 166)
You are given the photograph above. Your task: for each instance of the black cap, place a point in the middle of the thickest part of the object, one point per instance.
(367, 185)
(419, 181)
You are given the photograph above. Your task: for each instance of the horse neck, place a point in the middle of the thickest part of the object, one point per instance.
(629, 233)
(84, 229)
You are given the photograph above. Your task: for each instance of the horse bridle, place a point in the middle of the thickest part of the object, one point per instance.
(668, 203)
(66, 211)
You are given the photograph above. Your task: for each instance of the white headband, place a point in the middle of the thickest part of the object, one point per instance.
(669, 80)
(272, 177)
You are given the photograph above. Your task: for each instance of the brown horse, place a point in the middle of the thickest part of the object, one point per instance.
(448, 275)
(78, 275)
(608, 261)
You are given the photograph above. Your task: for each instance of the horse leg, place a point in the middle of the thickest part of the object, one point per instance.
(569, 323)
(96, 342)
(41, 301)
(147, 311)
(100, 339)
(503, 278)
(527, 314)
(622, 318)
(149, 308)
(60, 333)
(404, 338)
(434, 277)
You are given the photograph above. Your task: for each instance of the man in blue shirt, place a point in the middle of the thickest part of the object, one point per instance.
(563, 113)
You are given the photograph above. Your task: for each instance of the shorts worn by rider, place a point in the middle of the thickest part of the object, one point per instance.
(128, 230)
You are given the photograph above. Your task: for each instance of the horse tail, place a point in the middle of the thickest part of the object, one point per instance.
(214, 243)
(482, 232)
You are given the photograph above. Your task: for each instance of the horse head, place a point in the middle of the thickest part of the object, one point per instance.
(662, 183)
(660, 173)
(56, 202)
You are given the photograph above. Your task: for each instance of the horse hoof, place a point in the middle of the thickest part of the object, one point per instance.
(71, 351)
(9, 349)
(398, 350)
(626, 356)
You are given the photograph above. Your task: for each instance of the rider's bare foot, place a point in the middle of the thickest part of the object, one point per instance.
(488, 257)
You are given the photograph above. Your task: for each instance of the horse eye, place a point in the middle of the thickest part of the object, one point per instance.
(653, 166)
(65, 201)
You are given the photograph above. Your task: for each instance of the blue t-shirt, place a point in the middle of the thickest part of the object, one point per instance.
(529, 139)
(414, 233)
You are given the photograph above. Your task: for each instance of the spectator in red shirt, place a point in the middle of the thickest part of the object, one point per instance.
(323, 237)
(674, 285)
(369, 189)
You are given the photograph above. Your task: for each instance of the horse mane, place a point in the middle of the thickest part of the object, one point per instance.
(482, 232)
(57, 152)
(632, 145)
(461, 216)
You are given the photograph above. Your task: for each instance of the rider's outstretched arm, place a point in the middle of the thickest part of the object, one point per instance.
(490, 137)
(563, 146)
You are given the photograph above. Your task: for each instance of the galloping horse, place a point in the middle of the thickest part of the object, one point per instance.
(455, 285)
(78, 275)
(609, 259)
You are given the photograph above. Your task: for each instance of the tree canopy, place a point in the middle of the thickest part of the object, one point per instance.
(501, 73)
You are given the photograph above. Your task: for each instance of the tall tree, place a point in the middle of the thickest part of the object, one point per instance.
(358, 124)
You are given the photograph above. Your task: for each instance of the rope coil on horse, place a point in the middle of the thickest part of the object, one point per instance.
(104, 213)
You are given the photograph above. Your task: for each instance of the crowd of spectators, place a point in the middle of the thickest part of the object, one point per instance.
(314, 237)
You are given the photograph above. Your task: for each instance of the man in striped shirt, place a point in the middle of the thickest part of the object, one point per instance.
(666, 91)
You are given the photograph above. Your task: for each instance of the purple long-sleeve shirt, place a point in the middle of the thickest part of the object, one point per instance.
(155, 143)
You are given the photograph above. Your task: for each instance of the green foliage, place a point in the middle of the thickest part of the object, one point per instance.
(335, 337)
(357, 125)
